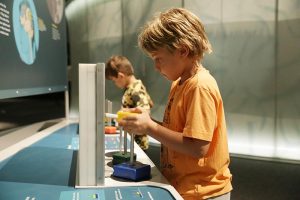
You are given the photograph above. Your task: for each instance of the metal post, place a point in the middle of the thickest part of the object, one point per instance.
(125, 142)
(121, 138)
(131, 147)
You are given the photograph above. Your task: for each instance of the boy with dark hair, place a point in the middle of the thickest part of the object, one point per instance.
(120, 71)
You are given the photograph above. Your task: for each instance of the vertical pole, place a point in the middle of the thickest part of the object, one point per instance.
(125, 142)
(67, 108)
(131, 148)
(121, 138)
(108, 109)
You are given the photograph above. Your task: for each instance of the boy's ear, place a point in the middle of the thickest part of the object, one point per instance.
(184, 51)
(121, 75)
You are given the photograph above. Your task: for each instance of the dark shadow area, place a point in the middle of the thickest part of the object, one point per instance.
(153, 152)
(72, 174)
(21, 111)
(110, 154)
(127, 180)
(110, 164)
(47, 125)
(261, 180)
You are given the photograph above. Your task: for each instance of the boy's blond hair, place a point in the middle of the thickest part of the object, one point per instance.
(116, 64)
(172, 29)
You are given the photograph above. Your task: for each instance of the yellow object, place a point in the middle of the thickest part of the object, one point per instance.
(122, 114)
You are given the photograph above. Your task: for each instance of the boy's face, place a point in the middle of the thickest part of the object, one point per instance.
(119, 81)
(170, 65)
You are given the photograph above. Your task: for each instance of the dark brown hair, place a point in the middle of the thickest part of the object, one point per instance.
(117, 64)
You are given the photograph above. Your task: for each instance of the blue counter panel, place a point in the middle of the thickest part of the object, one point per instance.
(61, 138)
(136, 193)
(41, 165)
(26, 191)
(68, 138)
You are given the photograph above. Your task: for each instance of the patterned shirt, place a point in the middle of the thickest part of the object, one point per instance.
(136, 95)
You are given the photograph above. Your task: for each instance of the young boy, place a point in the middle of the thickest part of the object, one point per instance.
(120, 71)
(194, 156)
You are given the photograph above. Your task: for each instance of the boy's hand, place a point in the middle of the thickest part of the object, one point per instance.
(138, 124)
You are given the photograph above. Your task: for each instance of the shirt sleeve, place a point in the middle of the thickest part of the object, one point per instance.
(136, 96)
(141, 99)
(200, 114)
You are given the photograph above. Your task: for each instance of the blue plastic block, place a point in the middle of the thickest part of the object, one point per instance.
(135, 171)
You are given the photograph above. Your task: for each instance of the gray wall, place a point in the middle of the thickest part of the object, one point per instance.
(255, 59)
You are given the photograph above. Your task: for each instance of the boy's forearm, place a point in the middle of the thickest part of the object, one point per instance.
(176, 141)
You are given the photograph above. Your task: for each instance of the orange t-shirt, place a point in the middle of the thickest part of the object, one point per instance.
(195, 109)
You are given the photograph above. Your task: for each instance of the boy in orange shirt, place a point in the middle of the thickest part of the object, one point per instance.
(194, 156)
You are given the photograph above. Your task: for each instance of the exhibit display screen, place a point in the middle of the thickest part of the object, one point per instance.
(33, 47)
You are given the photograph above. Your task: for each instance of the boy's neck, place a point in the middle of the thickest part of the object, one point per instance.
(130, 79)
(190, 72)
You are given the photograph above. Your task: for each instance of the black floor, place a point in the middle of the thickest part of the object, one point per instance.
(264, 180)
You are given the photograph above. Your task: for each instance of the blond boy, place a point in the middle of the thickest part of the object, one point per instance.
(194, 156)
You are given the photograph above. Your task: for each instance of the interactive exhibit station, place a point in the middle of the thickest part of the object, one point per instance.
(73, 159)
(91, 129)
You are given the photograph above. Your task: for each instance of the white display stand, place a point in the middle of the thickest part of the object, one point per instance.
(90, 169)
